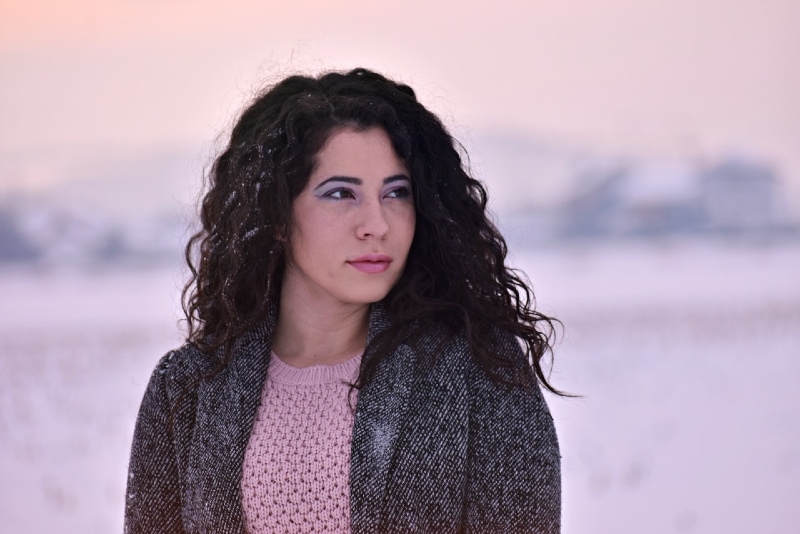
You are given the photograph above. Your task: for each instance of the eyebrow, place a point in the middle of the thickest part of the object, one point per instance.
(359, 181)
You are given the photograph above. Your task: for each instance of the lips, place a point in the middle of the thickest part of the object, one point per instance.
(371, 263)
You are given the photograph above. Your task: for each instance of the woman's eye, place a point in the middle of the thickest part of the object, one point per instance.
(399, 192)
(339, 194)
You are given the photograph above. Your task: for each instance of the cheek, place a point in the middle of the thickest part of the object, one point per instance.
(404, 228)
(323, 239)
(410, 225)
(308, 224)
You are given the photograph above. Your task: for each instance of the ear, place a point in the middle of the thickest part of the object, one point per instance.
(282, 234)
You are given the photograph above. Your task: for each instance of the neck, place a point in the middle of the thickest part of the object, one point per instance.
(310, 333)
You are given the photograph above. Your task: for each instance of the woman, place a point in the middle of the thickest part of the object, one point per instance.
(354, 359)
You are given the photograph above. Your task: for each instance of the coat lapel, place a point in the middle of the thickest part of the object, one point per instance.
(227, 406)
(409, 460)
(226, 410)
(380, 413)
(428, 474)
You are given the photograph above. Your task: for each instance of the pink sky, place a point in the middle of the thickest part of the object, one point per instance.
(663, 77)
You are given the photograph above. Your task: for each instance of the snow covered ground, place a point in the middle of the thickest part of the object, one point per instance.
(686, 357)
(688, 360)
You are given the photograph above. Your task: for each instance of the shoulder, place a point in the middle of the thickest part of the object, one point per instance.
(491, 399)
(451, 351)
(178, 369)
(184, 360)
(515, 469)
(446, 359)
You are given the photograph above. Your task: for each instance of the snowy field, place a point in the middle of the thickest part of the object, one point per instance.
(686, 357)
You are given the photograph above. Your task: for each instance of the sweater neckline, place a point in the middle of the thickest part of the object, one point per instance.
(282, 372)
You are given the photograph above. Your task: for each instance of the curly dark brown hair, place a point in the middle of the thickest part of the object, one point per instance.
(455, 276)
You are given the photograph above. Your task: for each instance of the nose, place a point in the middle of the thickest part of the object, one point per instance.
(373, 222)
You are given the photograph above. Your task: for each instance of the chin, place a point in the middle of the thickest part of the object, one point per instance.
(368, 295)
(368, 298)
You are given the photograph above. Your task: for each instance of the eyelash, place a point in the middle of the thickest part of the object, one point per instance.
(339, 193)
(342, 193)
(400, 193)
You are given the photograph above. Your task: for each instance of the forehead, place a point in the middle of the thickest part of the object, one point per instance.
(360, 154)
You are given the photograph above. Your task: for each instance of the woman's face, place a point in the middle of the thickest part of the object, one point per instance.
(353, 223)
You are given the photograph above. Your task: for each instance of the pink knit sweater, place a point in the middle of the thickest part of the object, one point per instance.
(296, 468)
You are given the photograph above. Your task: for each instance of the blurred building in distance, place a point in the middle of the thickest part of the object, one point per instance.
(733, 197)
(543, 195)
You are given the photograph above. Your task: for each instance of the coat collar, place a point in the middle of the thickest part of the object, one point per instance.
(380, 412)
(226, 409)
(227, 406)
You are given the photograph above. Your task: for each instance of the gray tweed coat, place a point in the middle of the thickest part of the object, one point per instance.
(437, 449)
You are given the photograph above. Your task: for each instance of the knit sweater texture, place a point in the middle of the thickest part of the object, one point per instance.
(437, 446)
(296, 472)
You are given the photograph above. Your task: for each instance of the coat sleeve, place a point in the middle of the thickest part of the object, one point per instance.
(152, 503)
(515, 472)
